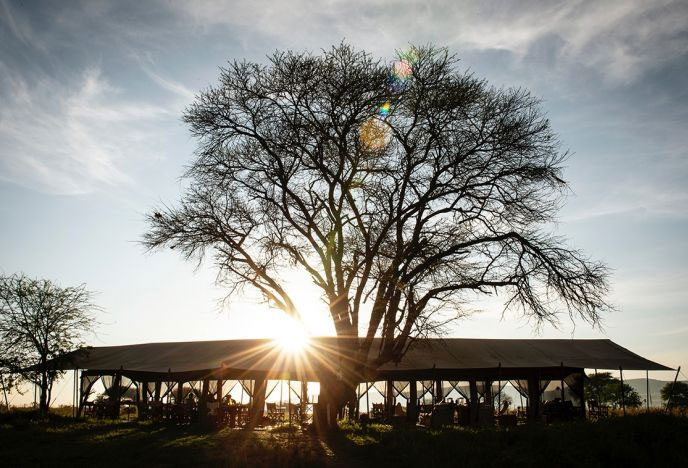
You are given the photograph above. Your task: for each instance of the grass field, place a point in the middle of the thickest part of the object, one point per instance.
(645, 440)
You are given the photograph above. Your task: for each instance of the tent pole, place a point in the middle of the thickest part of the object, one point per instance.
(304, 400)
(358, 399)
(412, 406)
(623, 396)
(671, 393)
(73, 395)
(598, 391)
(647, 389)
(499, 389)
(474, 403)
(77, 380)
(389, 397)
(289, 399)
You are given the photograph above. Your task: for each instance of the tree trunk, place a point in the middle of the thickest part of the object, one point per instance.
(335, 395)
(43, 405)
(338, 386)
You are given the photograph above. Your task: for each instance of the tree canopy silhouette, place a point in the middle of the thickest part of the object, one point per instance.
(41, 321)
(675, 394)
(401, 188)
(606, 389)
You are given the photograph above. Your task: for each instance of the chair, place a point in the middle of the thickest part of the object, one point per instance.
(378, 411)
(275, 415)
(521, 413)
(463, 415)
(595, 410)
(442, 415)
(425, 414)
(294, 411)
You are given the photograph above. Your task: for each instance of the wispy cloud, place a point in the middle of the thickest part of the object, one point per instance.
(673, 332)
(620, 39)
(18, 27)
(634, 201)
(147, 64)
(69, 138)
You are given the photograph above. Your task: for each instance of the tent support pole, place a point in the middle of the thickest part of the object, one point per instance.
(473, 386)
(671, 393)
(203, 403)
(304, 400)
(73, 395)
(533, 397)
(289, 399)
(412, 408)
(118, 387)
(439, 392)
(647, 390)
(499, 389)
(623, 396)
(389, 397)
(598, 390)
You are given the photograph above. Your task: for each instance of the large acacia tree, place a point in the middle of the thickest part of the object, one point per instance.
(401, 196)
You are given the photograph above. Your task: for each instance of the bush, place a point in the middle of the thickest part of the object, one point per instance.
(606, 389)
(679, 397)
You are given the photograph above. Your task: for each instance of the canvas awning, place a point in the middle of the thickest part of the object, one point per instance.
(441, 357)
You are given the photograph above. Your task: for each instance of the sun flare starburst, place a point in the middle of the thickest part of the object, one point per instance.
(292, 337)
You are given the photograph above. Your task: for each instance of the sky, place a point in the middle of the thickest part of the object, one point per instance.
(91, 138)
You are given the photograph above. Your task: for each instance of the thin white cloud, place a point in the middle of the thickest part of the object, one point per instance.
(147, 64)
(634, 201)
(673, 331)
(70, 139)
(170, 85)
(620, 39)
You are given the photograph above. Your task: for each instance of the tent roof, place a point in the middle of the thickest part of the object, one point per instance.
(264, 355)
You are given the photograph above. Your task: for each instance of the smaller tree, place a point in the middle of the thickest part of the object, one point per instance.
(678, 397)
(606, 389)
(40, 321)
(7, 383)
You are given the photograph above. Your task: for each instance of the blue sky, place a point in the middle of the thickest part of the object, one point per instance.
(91, 96)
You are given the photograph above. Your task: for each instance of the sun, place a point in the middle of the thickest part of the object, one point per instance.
(292, 336)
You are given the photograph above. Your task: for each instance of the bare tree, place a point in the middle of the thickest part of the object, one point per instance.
(407, 186)
(40, 321)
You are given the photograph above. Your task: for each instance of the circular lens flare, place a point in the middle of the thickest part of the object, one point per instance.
(374, 134)
(402, 69)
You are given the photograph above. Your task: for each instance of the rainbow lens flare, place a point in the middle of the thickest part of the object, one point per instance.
(402, 69)
(374, 133)
(384, 110)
